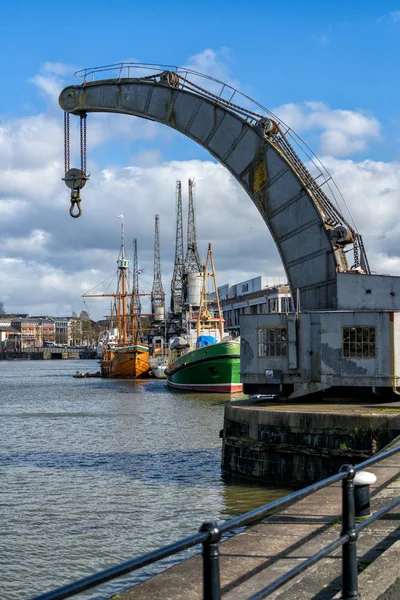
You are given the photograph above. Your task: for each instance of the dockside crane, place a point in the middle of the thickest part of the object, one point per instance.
(157, 292)
(192, 261)
(192, 280)
(177, 283)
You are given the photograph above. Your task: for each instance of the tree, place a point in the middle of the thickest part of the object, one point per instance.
(76, 330)
(2, 311)
(86, 327)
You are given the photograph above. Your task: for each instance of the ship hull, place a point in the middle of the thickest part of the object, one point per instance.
(130, 363)
(214, 368)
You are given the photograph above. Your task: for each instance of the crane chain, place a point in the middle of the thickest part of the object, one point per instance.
(83, 116)
(66, 142)
(355, 249)
(75, 179)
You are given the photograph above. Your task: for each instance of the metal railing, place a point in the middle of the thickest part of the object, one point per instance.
(210, 534)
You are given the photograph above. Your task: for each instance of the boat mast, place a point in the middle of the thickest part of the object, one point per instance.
(203, 311)
(123, 265)
(119, 303)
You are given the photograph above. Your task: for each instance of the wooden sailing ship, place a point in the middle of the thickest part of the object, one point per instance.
(124, 354)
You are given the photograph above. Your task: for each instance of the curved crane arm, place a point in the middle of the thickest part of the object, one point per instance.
(307, 229)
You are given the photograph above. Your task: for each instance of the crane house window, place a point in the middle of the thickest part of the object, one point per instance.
(359, 342)
(271, 341)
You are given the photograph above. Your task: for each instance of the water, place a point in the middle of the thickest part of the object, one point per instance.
(94, 472)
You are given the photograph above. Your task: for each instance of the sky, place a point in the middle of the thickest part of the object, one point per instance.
(330, 70)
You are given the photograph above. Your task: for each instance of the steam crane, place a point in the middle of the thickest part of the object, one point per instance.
(192, 261)
(177, 288)
(157, 292)
(193, 267)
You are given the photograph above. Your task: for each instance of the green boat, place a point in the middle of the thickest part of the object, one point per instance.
(206, 360)
(212, 368)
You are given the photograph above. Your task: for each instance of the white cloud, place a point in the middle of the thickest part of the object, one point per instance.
(57, 68)
(342, 132)
(213, 63)
(34, 244)
(40, 288)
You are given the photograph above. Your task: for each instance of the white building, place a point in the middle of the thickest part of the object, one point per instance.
(260, 295)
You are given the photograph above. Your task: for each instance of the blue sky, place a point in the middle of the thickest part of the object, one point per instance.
(344, 54)
(330, 69)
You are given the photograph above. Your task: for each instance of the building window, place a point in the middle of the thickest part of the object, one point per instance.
(273, 305)
(359, 342)
(271, 341)
(285, 304)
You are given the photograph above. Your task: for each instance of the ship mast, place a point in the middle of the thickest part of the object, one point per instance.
(204, 313)
(120, 296)
(123, 266)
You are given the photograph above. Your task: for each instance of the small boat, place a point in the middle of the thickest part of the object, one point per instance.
(206, 360)
(158, 365)
(159, 371)
(79, 374)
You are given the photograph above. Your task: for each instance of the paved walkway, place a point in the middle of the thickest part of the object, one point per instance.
(256, 557)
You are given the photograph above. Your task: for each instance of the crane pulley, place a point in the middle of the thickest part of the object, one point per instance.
(75, 179)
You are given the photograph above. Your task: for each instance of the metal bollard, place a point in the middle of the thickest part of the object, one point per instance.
(211, 579)
(349, 549)
(362, 481)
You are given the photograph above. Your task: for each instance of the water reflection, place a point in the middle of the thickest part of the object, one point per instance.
(240, 497)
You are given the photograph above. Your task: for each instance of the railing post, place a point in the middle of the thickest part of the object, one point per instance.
(349, 550)
(211, 581)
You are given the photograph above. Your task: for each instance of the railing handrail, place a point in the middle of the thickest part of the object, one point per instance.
(210, 534)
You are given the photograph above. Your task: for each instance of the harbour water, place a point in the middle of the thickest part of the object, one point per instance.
(94, 472)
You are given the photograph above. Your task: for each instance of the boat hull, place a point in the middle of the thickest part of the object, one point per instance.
(214, 368)
(159, 371)
(131, 363)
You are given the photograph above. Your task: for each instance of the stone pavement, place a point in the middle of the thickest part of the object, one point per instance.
(256, 557)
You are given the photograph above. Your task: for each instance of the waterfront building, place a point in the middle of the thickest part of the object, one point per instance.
(34, 331)
(9, 338)
(5, 320)
(62, 330)
(260, 295)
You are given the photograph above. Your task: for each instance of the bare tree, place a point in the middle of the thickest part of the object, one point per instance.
(76, 330)
(86, 327)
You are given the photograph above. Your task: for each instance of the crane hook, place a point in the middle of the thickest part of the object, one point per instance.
(75, 200)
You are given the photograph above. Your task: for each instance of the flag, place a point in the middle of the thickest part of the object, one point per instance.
(120, 216)
(139, 271)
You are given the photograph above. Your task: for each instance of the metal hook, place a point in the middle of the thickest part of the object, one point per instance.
(75, 199)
